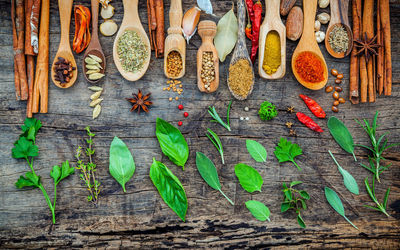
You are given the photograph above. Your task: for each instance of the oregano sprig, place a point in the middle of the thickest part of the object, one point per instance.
(294, 199)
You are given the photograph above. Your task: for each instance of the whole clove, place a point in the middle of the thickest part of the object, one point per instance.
(63, 70)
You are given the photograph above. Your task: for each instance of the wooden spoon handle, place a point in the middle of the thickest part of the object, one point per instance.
(131, 15)
(95, 17)
(65, 8)
(272, 9)
(175, 17)
(241, 13)
(310, 9)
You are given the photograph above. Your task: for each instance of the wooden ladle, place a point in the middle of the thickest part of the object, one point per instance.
(309, 43)
(94, 47)
(207, 30)
(64, 49)
(131, 21)
(272, 23)
(175, 40)
(240, 52)
(339, 17)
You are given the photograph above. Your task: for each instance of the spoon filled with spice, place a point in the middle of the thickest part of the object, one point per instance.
(241, 74)
(308, 63)
(131, 49)
(94, 64)
(64, 71)
(339, 37)
(272, 49)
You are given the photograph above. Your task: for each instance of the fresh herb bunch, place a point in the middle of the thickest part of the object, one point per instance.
(294, 199)
(217, 118)
(88, 171)
(267, 111)
(378, 146)
(25, 148)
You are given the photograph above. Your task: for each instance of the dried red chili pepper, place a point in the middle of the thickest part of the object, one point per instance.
(250, 11)
(82, 24)
(306, 120)
(257, 8)
(314, 107)
(249, 19)
(248, 31)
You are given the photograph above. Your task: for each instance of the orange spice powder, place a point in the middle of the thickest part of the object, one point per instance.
(309, 67)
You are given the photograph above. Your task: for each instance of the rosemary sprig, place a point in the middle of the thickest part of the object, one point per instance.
(217, 118)
(378, 146)
(217, 143)
(371, 191)
(88, 170)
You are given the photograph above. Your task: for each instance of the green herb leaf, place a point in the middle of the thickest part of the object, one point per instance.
(24, 148)
(217, 143)
(258, 210)
(169, 187)
(371, 192)
(335, 202)
(214, 114)
(287, 151)
(60, 173)
(172, 142)
(348, 179)
(122, 165)
(249, 178)
(386, 198)
(294, 183)
(341, 135)
(256, 150)
(285, 206)
(304, 194)
(31, 123)
(227, 33)
(29, 180)
(300, 221)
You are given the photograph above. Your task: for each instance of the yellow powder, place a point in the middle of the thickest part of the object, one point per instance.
(272, 53)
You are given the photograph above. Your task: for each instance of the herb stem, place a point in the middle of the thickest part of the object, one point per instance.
(230, 201)
(46, 196)
(355, 159)
(351, 223)
(299, 168)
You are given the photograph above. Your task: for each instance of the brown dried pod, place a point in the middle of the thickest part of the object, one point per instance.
(294, 24)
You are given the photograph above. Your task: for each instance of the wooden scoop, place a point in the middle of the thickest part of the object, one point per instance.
(64, 49)
(207, 30)
(309, 43)
(175, 40)
(131, 21)
(240, 51)
(272, 22)
(94, 47)
(339, 16)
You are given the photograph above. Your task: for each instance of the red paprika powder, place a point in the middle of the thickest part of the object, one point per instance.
(309, 67)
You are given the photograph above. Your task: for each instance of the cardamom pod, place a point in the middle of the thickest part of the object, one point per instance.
(95, 95)
(98, 65)
(91, 71)
(96, 111)
(96, 58)
(91, 66)
(90, 60)
(95, 76)
(95, 102)
(95, 88)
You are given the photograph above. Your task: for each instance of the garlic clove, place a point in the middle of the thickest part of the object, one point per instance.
(323, 3)
(317, 25)
(324, 18)
(190, 21)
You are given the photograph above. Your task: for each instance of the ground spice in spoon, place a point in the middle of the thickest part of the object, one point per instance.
(309, 67)
(240, 77)
(339, 39)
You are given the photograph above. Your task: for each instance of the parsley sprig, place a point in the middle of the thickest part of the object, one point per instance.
(287, 151)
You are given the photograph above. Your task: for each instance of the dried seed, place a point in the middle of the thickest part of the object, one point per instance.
(96, 58)
(90, 60)
(91, 71)
(90, 66)
(96, 111)
(95, 76)
(95, 88)
(95, 102)
(95, 95)
(328, 89)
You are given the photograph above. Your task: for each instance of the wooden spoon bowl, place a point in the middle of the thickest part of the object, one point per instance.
(94, 47)
(309, 43)
(132, 22)
(64, 49)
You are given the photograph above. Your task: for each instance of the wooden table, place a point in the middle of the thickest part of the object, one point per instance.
(140, 218)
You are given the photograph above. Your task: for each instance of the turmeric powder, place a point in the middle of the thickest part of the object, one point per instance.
(272, 53)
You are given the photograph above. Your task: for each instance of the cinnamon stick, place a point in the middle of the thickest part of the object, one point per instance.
(30, 68)
(151, 13)
(34, 23)
(28, 45)
(19, 51)
(368, 31)
(379, 58)
(354, 62)
(15, 45)
(160, 35)
(385, 23)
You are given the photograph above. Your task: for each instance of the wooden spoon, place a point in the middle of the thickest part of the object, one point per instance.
(240, 52)
(207, 31)
(131, 21)
(94, 47)
(309, 43)
(273, 22)
(175, 40)
(64, 49)
(339, 17)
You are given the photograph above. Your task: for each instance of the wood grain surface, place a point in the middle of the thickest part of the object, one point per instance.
(140, 218)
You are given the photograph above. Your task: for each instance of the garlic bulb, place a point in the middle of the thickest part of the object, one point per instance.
(324, 18)
(317, 25)
(190, 21)
(323, 3)
(319, 36)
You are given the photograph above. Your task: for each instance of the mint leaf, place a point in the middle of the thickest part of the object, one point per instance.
(29, 180)
(24, 148)
(58, 174)
(287, 151)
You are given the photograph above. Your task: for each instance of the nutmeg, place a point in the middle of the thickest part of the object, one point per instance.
(286, 6)
(294, 23)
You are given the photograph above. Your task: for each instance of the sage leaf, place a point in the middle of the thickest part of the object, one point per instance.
(256, 150)
(249, 178)
(170, 188)
(209, 173)
(205, 5)
(227, 34)
(348, 179)
(122, 165)
(335, 202)
(172, 142)
(341, 135)
(258, 210)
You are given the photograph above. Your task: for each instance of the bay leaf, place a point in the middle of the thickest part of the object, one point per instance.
(227, 34)
(205, 5)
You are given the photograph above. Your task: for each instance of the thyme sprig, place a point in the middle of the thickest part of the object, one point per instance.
(371, 191)
(88, 170)
(217, 143)
(213, 112)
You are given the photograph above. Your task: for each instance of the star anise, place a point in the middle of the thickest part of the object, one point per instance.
(290, 109)
(140, 101)
(367, 47)
(292, 133)
(289, 124)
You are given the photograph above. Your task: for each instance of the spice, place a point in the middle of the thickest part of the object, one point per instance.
(328, 89)
(132, 51)
(189, 22)
(180, 106)
(82, 32)
(186, 114)
(63, 70)
(140, 102)
(309, 67)
(314, 107)
(240, 77)
(272, 53)
(290, 109)
(155, 12)
(334, 72)
(207, 69)
(257, 8)
(289, 124)
(174, 64)
(93, 67)
(175, 86)
(338, 89)
(306, 120)
(339, 39)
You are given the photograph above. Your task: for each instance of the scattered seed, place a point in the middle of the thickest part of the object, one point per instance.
(335, 109)
(247, 118)
(170, 99)
(342, 100)
(241, 118)
(246, 109)
(336, 103)
(328, 89)
(335, 95)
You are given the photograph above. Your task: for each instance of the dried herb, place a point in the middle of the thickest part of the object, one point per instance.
(217, 118)
(217, 143)
(132, 51)
(258, 210)
(341, 135)
(339, 39)
(294, 199)
(140, 102)
(256, 150)
(335, 202)
(348, 179)
(287, 151)
(249, 178)
(227, 34)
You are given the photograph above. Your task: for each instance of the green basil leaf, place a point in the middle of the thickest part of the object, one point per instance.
(256, 150)
(285, 206)
(122, 165)
(301, 221)
(341, 135)
(258, 210)
(172, 142)
(348, 179)
(248, 177)
(335, 202)
(304, 194)
(294, 183)
(169, 187)
(29, 180)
